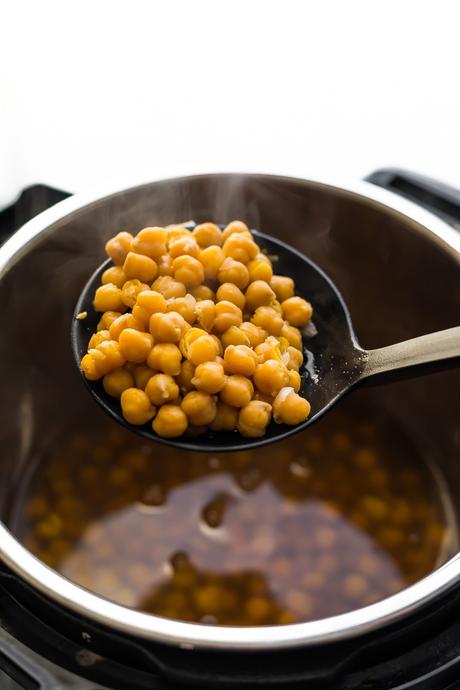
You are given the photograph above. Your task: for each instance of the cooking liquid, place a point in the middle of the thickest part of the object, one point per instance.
(333, 519)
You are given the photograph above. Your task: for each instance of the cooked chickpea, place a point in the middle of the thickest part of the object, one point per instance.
(199, 407)
(142, 316)
(167, 328)
(135, 345)
(271, 376)
(165, 267)
(206, 314)
(185, 376)
(292, 335)
(183, 246)
(108, 356)
(269, 349)
(234, 226)
(152, 301)
(254, 418)
(294, 380)
(297, 311)
(89, 367)
(227, 314)
(293, 358)
(118, 247)
(230, 293)
(99, 337)
(185, 306)
(237, 391)
(107, 319)
(207, 234)
(142, 373)
(170, 421)
(122, 322)
(165, 357)
(260, 268)
(130, 291)
(289, 407)
(240, 247)
(150, 242)
(234, 336)
(226, 418)
(114, 275)
(212, 259)
(259, 294)
(268, 319)
(117, 381)
(108, 298)
(209, 377)
(235, 272)
(256, 334)
(136, 406)
(202, 292)
(139, 266)
(203, 349)
(177, 230)
(240, 359)
(169, 287)
(188, 271)
(283, 287)
(161, 389)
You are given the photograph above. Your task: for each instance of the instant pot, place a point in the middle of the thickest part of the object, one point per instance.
(397, 265)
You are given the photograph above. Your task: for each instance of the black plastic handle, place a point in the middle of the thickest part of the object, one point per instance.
(435, 196)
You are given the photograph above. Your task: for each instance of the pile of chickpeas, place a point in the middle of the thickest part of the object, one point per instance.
(197, 332)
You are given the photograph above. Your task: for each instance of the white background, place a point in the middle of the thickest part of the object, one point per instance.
(101, 90)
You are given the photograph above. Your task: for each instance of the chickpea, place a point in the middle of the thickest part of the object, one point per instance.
(108, 356)
(226, 314)
(283, 287)
(167, 328)
(150, 242)
(166, 357)
(185, 306)
(183, 246)
(230, 293)
(234, 336)
(99, 337)
(141, 316)
(107, 319)
(207, 234)
(142, 373)
(135, 345)
(268, 319)
(117, 381)
(169, 287)
(259, 294)
(203, 349)
(189, 337)
(108, 298)
(256, 334)
(254, 418)
(297, 311)
(89, 367)
(139, 266)
(294, 380)
(289, 407)
(185, 376)
(234, 226)
(293, 358)
(188, 271)
(118, 247)
(270, 349)
(235, 272)
(240, 359)
(114, 275)
(237, 391)
(209, 377)
(202, 292)
(170, 421)
(206, 314)
(199, 407)
(122, 322)
(177, 230)
(161, 389)
(260, 268)
(136, 406)
(212, 259)
(292, 335)
(271, 376)
(152, 301)
(240, 247)
(165, 267)
(226, 418)
(131, 290)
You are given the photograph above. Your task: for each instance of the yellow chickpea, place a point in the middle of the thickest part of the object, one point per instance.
(188, 271)
(107, 319)
(142, 373)
(141, 316)
(234, 336)
(212, 259)
(152, 301)
(237, 391)
(234, 226)
(169, 287)
(122, 322)
(199, 407)
(136, 406)
(89, 366)
(226, 418)
(209, 377)
(259, 294)
(165, 267)
(240, 359)
(230, 293)
(130, 290)
(135, 345)
(150, 242)
(290, 408)
(292, 335)
(161, 389)
(114, 275)
(108, 356)
(294, 380)
(108, 298)
(117, 381)
(118, 247)
(297, 311)
(185, 306)
(240, 247)
(270, 349)
(139, 266)
(271, 376)
(189, 337)
(202, 292)
(207, 234)
(99, 337)
(227, 314)
(235, 272)
(165, 357)
(254, 418)
(260, 268)
(185, 377)
(206, 314)
(203, 349)
(167, 328)
(256, 334)
(293, 358)
(177, 230)
(170, 421)
(268, 319)
(283, 287)
(184, 246)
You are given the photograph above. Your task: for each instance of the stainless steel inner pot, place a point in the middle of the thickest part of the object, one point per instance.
(397, 266)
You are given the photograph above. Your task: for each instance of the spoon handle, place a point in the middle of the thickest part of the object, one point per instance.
(433, 347)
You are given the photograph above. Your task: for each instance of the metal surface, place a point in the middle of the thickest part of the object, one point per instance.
(351, 231)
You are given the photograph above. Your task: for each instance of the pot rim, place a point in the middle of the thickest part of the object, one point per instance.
(195, 635)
